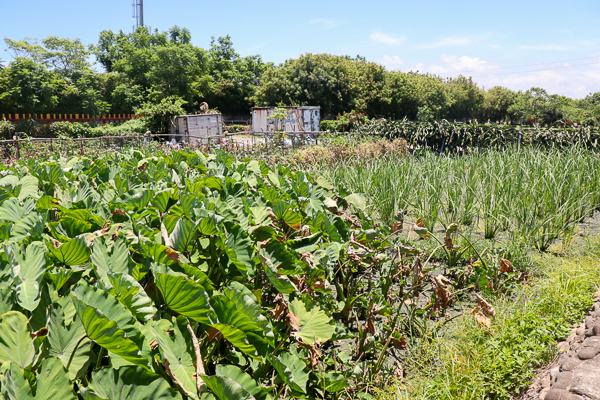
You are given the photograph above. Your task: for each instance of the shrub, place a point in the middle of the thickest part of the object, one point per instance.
(7, 129)
(237, 128)
(67, 129)
(158, 116)
(61, 129)
(348, 149)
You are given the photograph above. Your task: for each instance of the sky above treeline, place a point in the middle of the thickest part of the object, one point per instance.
(516, 44)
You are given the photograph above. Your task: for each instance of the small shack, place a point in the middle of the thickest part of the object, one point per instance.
(198, 128)
(299, 119)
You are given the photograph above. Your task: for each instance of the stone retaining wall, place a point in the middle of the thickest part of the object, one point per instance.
(576, 373)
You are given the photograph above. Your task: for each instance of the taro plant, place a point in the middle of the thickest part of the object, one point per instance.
(182, 275)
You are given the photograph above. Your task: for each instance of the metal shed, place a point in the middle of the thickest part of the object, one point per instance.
(198, 128)
(299, 119)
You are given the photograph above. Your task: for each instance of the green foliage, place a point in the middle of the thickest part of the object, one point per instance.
(67, 57)
(26, 86)
(135, 274)
(496, 104)
(234, 79)
(158, 116)
(464, 137)
(537, 105)
(346, 122)
(237, 128)
(66, 129)
(278, 117)
(471, 362)
(7, 129)
(335, 83)
(152, 67)
(55, 76)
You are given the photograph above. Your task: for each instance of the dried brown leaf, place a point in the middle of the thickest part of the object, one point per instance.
(506, 266)
(417, 270)
(399, 344)
(41, 332)
(442, 293)
(482, 320)
(486, 307)
(279, 311)
(314, 354)
(448, 243)
(117, 212)
(370, 325)
(293, 321)
(173, 255)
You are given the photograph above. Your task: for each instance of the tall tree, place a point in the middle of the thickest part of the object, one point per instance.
(496, 103)
(467, 98)
(234, 79)
(28, 87)
(336, 83)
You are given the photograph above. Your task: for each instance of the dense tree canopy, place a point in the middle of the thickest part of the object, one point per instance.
(141, 69)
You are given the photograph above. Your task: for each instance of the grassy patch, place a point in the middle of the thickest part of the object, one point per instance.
(468, 362)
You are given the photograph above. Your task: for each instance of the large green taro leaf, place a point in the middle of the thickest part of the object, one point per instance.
(245, 301)
(52, 383)
(314, 324)
(240, 249)
(11, 210)
(24, 187)
(231, 382)
(183, 235)
(14, 384)
(74, 252)
(129, 383)
(236, 326)
(132, 295)
(28, 269)
(184, 296)
(63, 336)
(16, 345)
(291, 369)
(109, 323)
(178, 352)
(116, 260)
(136, 200)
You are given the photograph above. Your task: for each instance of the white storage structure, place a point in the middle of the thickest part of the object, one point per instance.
(299, 119)
(198, 128)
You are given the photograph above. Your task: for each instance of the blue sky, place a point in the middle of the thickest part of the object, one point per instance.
(518, 44)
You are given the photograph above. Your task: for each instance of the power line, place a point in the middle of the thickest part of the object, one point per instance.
(531, 65)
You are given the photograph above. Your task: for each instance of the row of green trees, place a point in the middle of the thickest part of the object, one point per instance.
(339, 84)
(57, 76)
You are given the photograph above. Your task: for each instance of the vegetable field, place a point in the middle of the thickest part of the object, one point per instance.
(181, 275)
(445, 136)
(532, 196)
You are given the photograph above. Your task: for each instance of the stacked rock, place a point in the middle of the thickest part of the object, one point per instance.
(577, 373)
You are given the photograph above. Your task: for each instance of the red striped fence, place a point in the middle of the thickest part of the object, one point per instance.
(46, 119)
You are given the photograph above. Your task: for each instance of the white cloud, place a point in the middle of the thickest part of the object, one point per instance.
(393, 62)
(387, 39)
(572, 81)
(450, 41)
(545, 47)
(329, 23)
(459, 65)
(567, 82)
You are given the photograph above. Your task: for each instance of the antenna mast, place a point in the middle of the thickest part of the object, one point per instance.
(138, 13)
